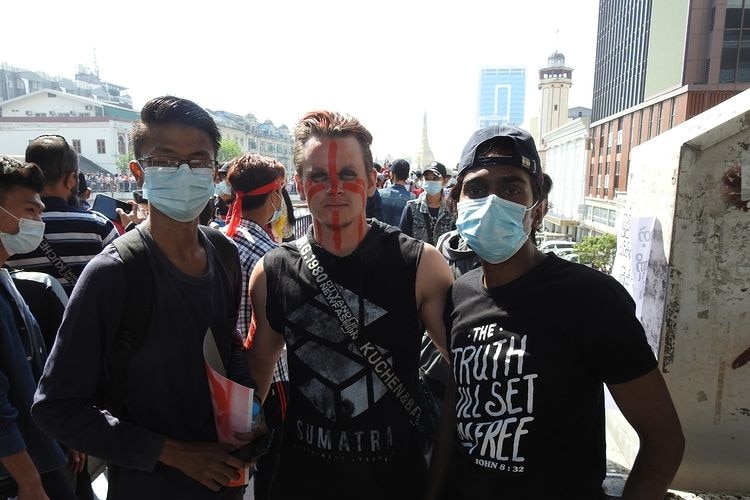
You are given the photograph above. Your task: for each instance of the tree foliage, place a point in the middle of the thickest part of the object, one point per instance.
(598, 251)
(123, 163)
(228, 149)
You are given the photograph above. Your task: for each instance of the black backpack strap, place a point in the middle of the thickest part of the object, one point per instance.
(136, 316)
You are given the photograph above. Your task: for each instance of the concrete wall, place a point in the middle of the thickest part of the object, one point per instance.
(697, 299)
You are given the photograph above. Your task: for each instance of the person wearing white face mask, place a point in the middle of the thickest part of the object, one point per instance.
(31, 463)
(257, 182)
(533, 338)
(159, 435)
(429, 216)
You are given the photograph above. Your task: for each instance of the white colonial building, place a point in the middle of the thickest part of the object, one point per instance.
(254, 137)
(566, 165)
(97, 130)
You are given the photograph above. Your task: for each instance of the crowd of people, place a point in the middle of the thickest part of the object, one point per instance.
(101, 182)
(103, 324)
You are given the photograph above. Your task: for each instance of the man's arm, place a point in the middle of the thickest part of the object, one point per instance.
(646, 404)
(441, 453)
(64, 404)
(23, 470)
(434, 278)
(263, 342)
(13, 453)
(406, 224)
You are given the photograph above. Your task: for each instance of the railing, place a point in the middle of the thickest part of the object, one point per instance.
(301, 224)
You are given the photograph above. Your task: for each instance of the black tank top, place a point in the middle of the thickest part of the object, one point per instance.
(338, 408)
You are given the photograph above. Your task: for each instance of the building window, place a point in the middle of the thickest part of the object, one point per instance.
(650, 122)
(100, 147)
(672, 112)
(77, 145)
(658, 122)
(121, 149)
(617, 175)
(735, 51)
(640, 127)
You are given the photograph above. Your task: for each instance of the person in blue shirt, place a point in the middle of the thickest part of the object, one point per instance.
(31, 462)
(394, 198)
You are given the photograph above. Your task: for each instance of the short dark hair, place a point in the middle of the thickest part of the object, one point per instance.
(400, 169)
(169, 109)
(14, 173)
(54, 156)
(251, 171)
(324, 124)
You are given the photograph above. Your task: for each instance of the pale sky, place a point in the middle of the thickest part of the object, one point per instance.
(385, 62)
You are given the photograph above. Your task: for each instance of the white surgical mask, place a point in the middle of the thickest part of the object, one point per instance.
(29, 235)
(276, 211)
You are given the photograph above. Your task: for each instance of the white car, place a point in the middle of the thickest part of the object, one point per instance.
(553, 245)
(571, 256)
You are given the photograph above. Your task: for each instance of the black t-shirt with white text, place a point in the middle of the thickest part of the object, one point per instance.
(529, 359)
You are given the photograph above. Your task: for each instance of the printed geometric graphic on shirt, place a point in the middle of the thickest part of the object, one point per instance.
(343, 385)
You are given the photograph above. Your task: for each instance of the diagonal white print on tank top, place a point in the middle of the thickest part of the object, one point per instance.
(343, 385)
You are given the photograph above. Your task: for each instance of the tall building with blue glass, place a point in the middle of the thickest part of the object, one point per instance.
(502, 94)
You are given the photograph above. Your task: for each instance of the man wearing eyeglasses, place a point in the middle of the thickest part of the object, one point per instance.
(162, 443)
(73, 235)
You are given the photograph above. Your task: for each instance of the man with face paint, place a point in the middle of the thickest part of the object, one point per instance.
(28, 457)
(429, 216)
(73, 235)
(533, 338)
(163, 442)
(257, 183)
(347, 325)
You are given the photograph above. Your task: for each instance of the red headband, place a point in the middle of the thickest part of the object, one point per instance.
(236, 212)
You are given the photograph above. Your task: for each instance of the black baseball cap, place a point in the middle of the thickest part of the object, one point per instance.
(437, 168)
(524, 155)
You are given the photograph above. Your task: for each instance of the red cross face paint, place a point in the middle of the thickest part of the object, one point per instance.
(336, 187)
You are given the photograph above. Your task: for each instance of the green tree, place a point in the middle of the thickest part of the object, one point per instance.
(598, 251)
(123, 163)
(228, 150)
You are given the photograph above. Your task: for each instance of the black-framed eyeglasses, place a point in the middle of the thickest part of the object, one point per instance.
(175, 163)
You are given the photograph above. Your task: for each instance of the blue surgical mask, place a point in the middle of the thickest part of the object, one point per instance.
(492, 227)
(29, 235)
(222, 189)
(180, 194)
(432, 187)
